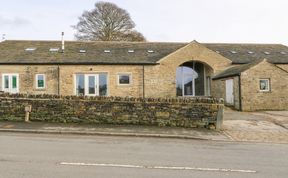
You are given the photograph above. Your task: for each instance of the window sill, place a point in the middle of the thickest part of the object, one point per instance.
(40, 89)
(124, 85)
(264, 91)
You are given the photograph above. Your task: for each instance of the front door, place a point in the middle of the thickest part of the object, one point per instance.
(229, 92)
(91, 82)
(10, 83)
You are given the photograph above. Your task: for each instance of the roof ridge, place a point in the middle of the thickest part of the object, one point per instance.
(75, 41)
(243, 44)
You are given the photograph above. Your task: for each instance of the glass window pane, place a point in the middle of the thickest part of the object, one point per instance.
(188, 85)
(79, 84)
(187, 70)
(264, 85)
(91, 85)
(103, 84)
(40, 81)
(124, 79)
(6, 82)
(14, 81)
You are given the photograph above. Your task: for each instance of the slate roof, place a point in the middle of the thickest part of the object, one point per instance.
(13, 52)
(237, 70)
(246, 53)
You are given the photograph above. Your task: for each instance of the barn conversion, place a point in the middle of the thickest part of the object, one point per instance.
(248, 76)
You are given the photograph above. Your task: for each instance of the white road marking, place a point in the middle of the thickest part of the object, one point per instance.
(159, 167)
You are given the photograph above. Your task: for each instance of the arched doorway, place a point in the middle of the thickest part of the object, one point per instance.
(193, 79)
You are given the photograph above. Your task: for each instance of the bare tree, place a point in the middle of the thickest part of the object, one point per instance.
(107, 22)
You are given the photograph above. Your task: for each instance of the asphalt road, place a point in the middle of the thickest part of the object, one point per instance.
(52, 156)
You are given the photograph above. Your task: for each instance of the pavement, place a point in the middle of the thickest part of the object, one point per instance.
(113, 130)
(265, 126)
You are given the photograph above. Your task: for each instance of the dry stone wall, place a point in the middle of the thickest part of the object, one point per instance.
(190, 112)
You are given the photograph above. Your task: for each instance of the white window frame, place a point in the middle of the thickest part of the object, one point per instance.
(86, 75)
(10, 87)
(124, 84)
(44, 80)
(86, 84)
(268, 81)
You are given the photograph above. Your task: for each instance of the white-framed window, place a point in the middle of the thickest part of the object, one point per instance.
(91, 84)
(40, 81)
(124, 79)
(264, 84)
(10, 83)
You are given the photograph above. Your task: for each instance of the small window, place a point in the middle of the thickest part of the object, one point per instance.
(124, 79)
(40, 81)
(30, 49)
(82, 51)
(53, 50)
(264, 84)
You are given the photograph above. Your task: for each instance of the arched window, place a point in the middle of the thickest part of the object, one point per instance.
(185, 81)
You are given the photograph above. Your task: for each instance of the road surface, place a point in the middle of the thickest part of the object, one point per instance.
(52, 156)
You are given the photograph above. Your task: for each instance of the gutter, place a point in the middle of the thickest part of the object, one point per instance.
(225, 76)
(74, 63)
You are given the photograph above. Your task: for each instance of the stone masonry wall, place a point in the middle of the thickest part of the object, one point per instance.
(192, 112)
(160, 80)
(219, 90)
(254, 99)
(27, 80)
(135, 89)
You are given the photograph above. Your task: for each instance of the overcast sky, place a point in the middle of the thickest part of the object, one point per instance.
(237, 21)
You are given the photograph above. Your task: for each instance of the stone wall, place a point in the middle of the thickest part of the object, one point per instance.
(192, 112)
(274, 99)
(135, 89)
(219, 90)
(27, 77)
(160, 80)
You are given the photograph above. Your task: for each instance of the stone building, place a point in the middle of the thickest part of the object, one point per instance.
(248, 76)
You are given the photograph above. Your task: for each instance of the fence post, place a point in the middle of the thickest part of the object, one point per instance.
(219, 121)
(28, 109)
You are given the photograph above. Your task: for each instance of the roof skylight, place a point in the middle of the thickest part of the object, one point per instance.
(107, 51)
(82, 51)
(53, 50)
(30, 49)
